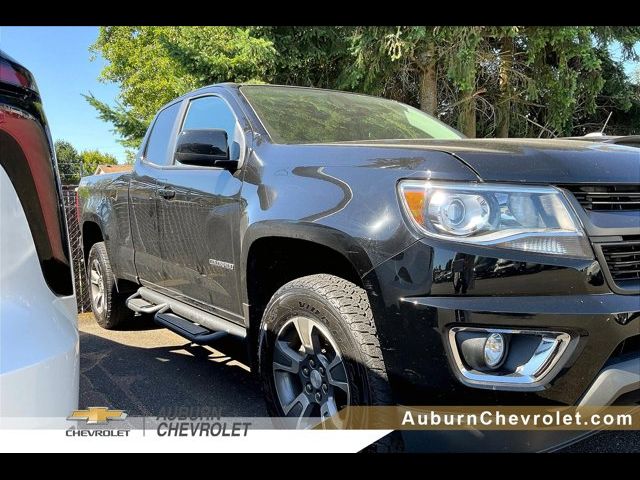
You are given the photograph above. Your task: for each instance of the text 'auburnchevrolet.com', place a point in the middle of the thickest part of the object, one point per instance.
(371, 255)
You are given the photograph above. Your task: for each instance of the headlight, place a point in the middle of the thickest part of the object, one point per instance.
(532, 219)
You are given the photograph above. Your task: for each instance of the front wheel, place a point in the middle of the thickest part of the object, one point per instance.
(319, 350)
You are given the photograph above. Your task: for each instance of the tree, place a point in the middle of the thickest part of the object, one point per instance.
(153, 65)
(308, 56)
(486, 81)
(130, 157)
(618, 97)
(462, 72)
(220, 54)
(433, 67)
(92, 158)
(398, 62)
(73, 165)
(492, 80)
(69, 162)
(504, 39)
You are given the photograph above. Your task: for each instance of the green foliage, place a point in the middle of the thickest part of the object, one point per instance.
(130, 127)
(375, 51)
(556, 74)
(220, 54)
(533, 81)
(130, 157)
(567, 73)
(153, 65)
(69, 162)
(73, 165)
(92, 158)
(309, 56)
(389, 60)
(620, 97)
(137, 60)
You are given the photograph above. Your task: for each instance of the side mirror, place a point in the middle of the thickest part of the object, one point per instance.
(205, 148)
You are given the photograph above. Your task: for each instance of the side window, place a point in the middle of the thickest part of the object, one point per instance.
(210, 112)
(157, 150)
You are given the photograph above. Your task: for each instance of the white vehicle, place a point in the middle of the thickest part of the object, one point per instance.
(38, 326)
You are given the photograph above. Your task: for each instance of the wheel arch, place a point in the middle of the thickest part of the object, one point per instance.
(328, 237)
(275, 253)
(91, 232)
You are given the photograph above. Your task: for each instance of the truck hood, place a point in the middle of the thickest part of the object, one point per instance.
(535, 160)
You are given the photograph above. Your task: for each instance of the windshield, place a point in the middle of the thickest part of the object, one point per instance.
(305, 115)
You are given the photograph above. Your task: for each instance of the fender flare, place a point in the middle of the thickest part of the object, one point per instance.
(93, 218)
(329, 237)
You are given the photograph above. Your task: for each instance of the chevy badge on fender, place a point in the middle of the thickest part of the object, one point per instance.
(220, 263)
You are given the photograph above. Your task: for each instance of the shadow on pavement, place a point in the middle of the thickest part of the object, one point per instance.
(147, 380)
(140, 323)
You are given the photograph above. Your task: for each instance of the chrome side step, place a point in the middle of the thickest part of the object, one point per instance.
(206, 320)
(139, 305)
(189, 330)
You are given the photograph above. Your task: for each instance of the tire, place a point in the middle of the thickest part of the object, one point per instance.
(111, 312)
(342, 309)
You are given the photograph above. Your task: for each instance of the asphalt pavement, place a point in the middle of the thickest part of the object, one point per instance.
(146, 370)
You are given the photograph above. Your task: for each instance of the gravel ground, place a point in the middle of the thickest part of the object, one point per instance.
(146, 368)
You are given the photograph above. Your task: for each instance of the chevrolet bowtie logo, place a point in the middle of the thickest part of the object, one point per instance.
(94, 415)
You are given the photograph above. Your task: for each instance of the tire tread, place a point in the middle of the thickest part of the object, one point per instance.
(116, 313)
(352, 303)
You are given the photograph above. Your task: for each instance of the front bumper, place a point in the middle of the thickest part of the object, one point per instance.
(614, 381)
(420, 294)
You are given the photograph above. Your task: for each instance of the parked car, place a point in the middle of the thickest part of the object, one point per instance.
(38, 327)
(338, 234)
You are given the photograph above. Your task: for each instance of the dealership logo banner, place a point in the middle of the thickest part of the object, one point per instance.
(486, 418)
(507, 428)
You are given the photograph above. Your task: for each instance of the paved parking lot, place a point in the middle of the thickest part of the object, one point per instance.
(145, 369)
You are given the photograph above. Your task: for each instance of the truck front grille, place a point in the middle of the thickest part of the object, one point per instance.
(607, 197)
(623, 260)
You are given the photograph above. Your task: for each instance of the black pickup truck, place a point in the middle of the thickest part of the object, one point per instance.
(370, 254)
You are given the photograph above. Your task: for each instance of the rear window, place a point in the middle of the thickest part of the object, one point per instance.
(307, 115)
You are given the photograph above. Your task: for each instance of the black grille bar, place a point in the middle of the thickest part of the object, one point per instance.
(623, 260)
(607, 197)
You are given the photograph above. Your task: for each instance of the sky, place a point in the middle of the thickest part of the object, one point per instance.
(60, 60)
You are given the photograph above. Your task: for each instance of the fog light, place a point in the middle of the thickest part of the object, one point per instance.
(508, 358)
(494, 349)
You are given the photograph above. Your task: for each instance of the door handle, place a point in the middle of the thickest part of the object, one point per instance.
(167, 193)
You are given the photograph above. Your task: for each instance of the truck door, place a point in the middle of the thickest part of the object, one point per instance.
(199, 210)
(143, 196)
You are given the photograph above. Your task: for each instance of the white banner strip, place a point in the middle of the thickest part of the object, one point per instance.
(267, 441)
